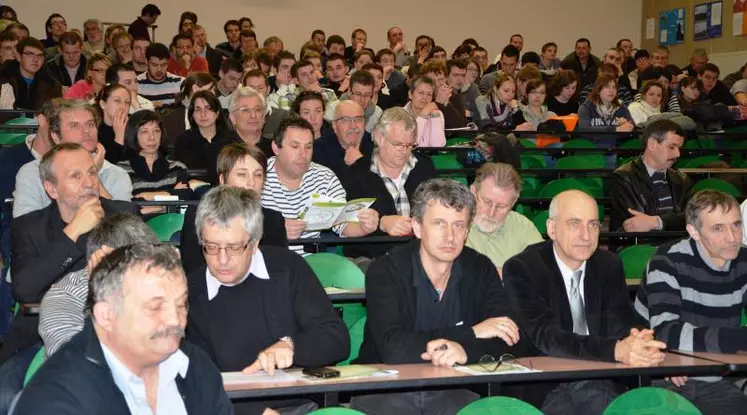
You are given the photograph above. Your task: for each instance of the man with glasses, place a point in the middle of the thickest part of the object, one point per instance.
(390, 174)
(55, 27)
(32, 86)
(497, 231)
(434, 300)
(70, 66)
(571, 301)
(257, 80)
(184, 61)
(715, 90)
(93, 30)
(347, 142)
(257, 307)
(246, 111)
(157, 84)
(362, 90)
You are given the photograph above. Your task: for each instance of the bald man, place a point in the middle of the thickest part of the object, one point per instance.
(571, 300)
(346, 142)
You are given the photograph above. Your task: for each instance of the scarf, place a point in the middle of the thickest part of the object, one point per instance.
(607, 112)
(500, 112)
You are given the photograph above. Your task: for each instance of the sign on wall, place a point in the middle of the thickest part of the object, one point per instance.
(739, 24)
(671, 27)
(707, 21)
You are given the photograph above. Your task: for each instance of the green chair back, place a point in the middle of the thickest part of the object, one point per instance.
(457, 141)
(737, 157)
(21, 121)
(579, 143)
(499, 405)
(8, 139)
(356, 339)
(36, 363)
(651, 401)
(632, 144)
(166, 225)
(717, 184)
(336, 411)
(532, 161)
(635, 258)
(540, 221)
(560, 185)
(530, 186)
(525, 210)
(593, 161)
(526, 143)
(446, 161)
(696, 162)
(337, 271)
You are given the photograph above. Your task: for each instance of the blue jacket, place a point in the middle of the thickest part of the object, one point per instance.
(77, 380)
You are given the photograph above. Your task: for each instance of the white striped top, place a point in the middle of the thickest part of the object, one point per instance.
(291, 203)
(163, 92)
(63, 310)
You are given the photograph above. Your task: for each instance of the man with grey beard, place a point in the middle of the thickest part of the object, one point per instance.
(497, 231)
(348, 141)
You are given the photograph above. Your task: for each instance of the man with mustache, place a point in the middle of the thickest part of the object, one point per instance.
(49, 243)
(257, 307)
(571, 301)
(434, 300)
(347, 142)
(648, 193)
(693, 294)
(129, 357)
(497, 231)
(74, 121)
(184, 60)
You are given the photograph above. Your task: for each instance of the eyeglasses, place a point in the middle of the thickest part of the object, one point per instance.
(401, 146)
(256, 111)
(489, 364)
(490, 204)
(350, 120)
(364, 96)
(231, 250)
(98, 70)
(32, 55)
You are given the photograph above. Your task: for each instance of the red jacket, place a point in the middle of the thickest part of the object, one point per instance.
(199, 64)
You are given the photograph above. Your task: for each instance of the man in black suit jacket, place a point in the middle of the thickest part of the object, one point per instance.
(213, 57)
(434, 300)
(571, 300)
(647, 193)
(49, 243)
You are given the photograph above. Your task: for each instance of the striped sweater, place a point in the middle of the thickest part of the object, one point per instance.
(690, 304)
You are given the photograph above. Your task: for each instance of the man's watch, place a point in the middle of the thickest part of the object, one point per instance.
(289, 340)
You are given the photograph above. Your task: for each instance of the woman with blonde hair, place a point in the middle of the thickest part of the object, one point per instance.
(94, 81)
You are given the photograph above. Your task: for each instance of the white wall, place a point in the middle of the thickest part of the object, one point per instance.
(491, 22)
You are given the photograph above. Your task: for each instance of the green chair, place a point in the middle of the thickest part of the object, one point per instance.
(36, 363)
(456, 141)
(21, 121)
(356, 340)
(717, 184)
(337, 271)
(579, 143)
(525, 210)
(635, 259)
(499, 405)
(336, 411)
(697, 162)
(560, 185)
(533, 161)
(540, 221)
(632, 144)
(651, 401)
(8, 139)
(530, 186)
(526, 143)
(166, 225)
(593, 183)
(739, 148)
(446, 161)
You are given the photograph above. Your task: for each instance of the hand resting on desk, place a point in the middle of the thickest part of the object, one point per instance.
(640, 349)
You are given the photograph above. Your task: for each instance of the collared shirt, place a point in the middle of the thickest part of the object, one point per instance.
(515, 233)
(567, 274)
(396, 186)
(651, 171)
(169, 400)
(30, 144)
(704, 256)
(258, 269)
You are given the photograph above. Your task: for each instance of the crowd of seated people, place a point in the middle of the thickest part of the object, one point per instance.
(121, 117)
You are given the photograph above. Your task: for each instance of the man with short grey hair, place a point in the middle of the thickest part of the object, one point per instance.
(697, 60)
(257, 308)
(62, 313)
(347, 142)
(75, 121)
(246, 110)
(129, 357)
(434, 300)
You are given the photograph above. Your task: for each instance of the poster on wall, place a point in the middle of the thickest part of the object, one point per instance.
(672, 27)
(707, 21)
(739, 27)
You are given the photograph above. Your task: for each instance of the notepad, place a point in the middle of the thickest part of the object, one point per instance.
(235, 378)
(505, 368)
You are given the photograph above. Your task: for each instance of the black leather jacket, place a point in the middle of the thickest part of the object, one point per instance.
(631, 187)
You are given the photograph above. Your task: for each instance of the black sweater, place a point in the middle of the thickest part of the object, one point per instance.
(273, 234)
(329, 153)
(114, 150)
(196, 152)
(241, 321)
(390, 336)
(360, 181)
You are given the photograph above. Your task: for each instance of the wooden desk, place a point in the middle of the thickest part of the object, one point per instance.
(735, 362)
(418, 376)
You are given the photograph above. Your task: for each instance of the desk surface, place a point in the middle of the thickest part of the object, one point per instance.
(414, 376)
(735, 362)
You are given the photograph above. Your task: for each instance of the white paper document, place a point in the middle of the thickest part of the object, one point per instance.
(235, 378)
(716, 14)
(323, 213)
(505, 368)
(736, 24)
(650, 28)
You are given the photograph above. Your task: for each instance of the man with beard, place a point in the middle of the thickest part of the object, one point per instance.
(129, 358)
(157, 84)
(497, 231)
(348, 141)
(75, 121)
(184, 62)
(647, 193)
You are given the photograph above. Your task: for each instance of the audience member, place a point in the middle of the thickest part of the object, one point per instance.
(571, 301)
(648, 193)
(55, 26)
(185, 61)
(561, 93)
(650, 104)
(698, 58)
(32, 86)
(691, 296)
(603, 110)
(497, 231)
(285, 87)
(125, 75)
(358, 41)
(239, 165)
(247, 109)
(434, 300)
(534, 113)
(429, 118)
(70, 66)
(157, 84)
(147, 18)
(75, 121)
(232, 29)
(8, 46)
(497, 108)
(114, 104)
(586, 64)
(714, 89)
(642, 61)
(361, 92)
(624, 94)
(509, 61)
(303, 75)
(549, 61)
(93, 31)
(204, 50)
(257, 80)
(229, 78)
(257, 308)
(139, 54)
(347, 141)
(122, 46)
(89, 87)
(309, 105)
(397, 45)
(247, 44)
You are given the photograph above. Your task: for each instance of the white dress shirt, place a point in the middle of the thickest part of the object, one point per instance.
(169, 400)
(257, 268)
(567, 274)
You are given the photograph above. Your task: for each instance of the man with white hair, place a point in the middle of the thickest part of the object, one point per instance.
(246, 110)
(347, 142)
(497, 231)
(129, 357)
(571, 301)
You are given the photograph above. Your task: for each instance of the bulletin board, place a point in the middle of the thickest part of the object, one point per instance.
(671, 27)
(707, 21)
